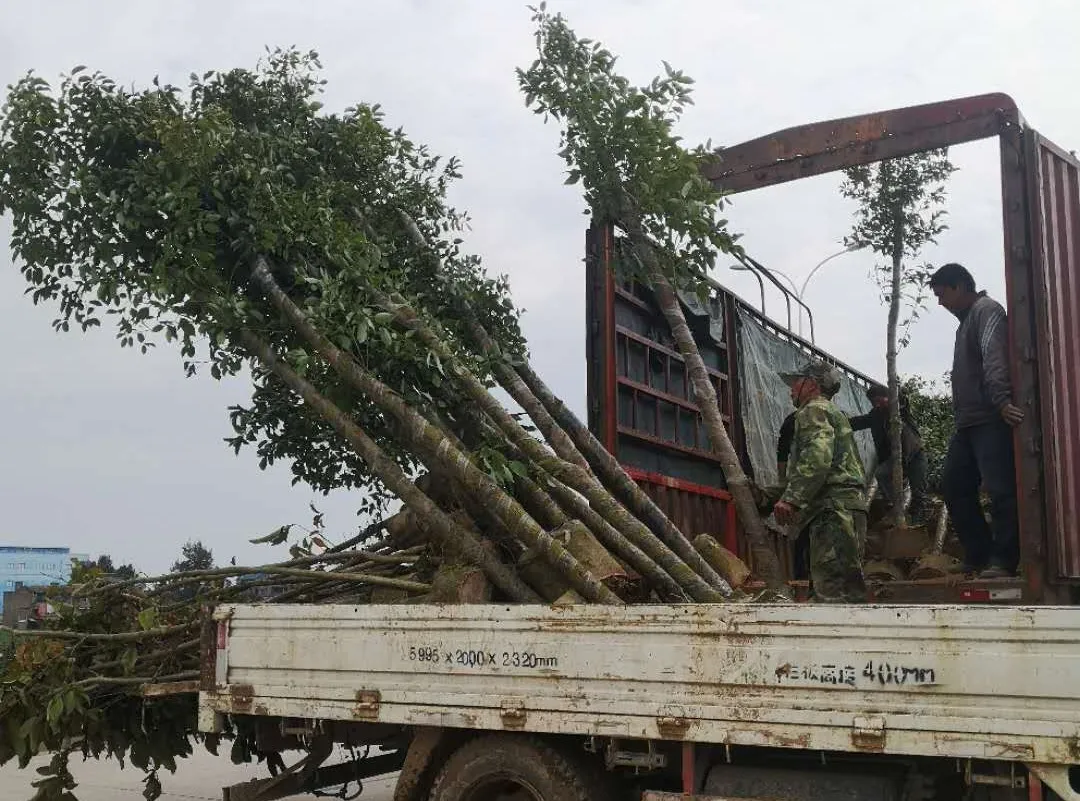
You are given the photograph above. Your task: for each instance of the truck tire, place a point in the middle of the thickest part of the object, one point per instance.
(506, 767)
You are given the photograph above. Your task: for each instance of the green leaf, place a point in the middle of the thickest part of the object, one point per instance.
(148, 618)
(275, 537)
(55, 709)
(72, 700)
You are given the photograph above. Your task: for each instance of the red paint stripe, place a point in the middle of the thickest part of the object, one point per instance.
(731, 529)
(676, 483)
(688, 768)
(1035, 788)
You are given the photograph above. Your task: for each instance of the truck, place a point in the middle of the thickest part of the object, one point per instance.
(934, 689)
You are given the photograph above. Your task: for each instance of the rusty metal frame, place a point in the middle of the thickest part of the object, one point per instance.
(823, 147)
(600, 338)
(1024, 361)
(1054, 210)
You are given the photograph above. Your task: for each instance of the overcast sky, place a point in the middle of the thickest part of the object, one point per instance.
(106, 450)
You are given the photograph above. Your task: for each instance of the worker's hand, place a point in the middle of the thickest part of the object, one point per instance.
(784, 513)
(1013, 415)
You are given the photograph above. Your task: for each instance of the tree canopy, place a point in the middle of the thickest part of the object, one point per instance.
(193, 556)
(241, 223)
(148, 207)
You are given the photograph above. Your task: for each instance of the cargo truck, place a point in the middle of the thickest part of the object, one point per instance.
(943, 689)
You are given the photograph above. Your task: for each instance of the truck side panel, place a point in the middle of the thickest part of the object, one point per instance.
(937, 681)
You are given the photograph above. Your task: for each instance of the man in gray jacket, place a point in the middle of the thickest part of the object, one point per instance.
(981, 451)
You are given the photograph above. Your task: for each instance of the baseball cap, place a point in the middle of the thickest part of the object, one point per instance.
(825, 375)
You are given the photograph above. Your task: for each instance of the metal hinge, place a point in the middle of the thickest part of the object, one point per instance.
(513, 713)
(367, 704)
(672, 727)
(868, 733)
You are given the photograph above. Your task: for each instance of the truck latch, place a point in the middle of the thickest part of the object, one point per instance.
(367, 704)
(512, 713)
(672, 727)
(868, 733)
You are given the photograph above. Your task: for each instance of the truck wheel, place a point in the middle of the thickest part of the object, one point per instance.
(517, 768)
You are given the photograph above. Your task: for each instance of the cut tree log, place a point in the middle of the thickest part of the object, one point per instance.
(727, 564)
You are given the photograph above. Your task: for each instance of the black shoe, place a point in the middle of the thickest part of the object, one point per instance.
(996, 572)
(969, 569)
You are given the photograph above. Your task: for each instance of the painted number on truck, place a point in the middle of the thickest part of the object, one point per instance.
(527, 659)
(885, 673)
(873, 674)
(465, 657)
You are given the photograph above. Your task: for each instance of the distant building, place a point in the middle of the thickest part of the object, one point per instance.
(25, 566)
(25, 607)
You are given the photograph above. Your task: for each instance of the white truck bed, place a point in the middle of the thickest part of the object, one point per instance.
(953, 681)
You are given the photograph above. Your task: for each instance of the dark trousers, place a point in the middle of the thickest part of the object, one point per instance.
(915, 469)
(800, 567)
(982, 456)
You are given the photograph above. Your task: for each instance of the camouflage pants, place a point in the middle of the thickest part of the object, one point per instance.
(836, 543)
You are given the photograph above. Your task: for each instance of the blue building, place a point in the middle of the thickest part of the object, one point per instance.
(24, 566)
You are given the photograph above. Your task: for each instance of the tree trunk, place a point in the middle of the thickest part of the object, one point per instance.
(431, 442)
(574, 476)
(765, 561)
(569, 436)
(576, 506)
(391, 475)
(571, 439)
(896, 452)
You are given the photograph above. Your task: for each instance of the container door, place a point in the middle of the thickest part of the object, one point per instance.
(1054, 206)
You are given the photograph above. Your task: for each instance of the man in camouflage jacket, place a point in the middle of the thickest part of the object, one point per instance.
(825, 487)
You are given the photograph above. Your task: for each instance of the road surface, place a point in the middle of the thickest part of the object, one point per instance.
(199, 778)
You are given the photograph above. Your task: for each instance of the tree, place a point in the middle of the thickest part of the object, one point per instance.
(900, 210)
(103, 565)
(930, 406)
(193, 556)
(618, 141)
(316, 253)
